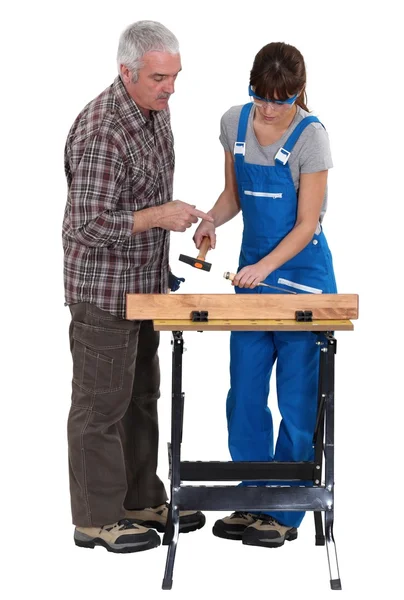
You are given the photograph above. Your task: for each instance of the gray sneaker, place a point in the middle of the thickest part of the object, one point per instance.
(120, 537)
(233, 526)
(268, 532)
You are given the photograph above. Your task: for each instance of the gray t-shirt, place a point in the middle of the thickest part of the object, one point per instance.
(310, 154)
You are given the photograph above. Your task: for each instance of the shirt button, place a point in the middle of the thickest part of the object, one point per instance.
(315, 242)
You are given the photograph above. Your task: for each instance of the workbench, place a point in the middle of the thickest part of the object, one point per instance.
(322, 314)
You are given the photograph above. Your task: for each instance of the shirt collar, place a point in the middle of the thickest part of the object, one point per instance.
(127, 105)
(130, 110)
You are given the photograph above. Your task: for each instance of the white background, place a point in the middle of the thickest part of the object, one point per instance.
(55, 58)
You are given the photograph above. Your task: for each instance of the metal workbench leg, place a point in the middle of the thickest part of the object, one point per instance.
(335, 580)
(173, 525)
(330, 350)
(318, 437)
(318, 523)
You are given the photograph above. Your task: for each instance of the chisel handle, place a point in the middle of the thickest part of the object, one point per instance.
(228, 275)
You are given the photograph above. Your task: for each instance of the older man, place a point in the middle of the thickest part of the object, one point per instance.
(119, 163)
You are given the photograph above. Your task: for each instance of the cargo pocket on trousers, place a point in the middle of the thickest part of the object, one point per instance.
(99, 356)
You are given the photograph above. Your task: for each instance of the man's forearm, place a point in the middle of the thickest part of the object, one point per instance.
(109, 228)
(145, 219)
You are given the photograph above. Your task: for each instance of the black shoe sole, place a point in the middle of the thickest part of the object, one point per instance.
(193, 526)
(253, 537)
(149, 545)
(222, 530)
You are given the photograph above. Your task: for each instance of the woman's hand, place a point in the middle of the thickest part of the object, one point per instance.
(252, 275)
(205, 229)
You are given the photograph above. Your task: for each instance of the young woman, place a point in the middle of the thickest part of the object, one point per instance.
(276, 161)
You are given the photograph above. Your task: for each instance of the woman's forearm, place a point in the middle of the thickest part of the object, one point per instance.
(226, 207)
(291, 245)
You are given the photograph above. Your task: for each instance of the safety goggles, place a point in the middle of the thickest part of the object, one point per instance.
(277, 104)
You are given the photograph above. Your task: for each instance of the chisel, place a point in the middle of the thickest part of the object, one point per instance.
(231, 276)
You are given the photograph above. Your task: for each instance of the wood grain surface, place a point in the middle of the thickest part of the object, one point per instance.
(241, 306)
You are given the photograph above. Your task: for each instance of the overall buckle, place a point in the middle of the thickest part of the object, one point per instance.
(282, 155)
(239, 148)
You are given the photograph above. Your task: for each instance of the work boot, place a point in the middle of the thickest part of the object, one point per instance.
(120, 537)
(233, 526)
(156, 518)
(267, 531)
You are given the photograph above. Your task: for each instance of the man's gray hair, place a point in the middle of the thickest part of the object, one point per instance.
(142, 37)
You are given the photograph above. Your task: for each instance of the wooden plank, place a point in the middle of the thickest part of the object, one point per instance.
(250, 325)
(241, 306)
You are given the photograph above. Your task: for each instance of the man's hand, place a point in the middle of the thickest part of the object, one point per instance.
(251, 276)
(178, 216)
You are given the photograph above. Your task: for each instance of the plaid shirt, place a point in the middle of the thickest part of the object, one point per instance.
(116, 162)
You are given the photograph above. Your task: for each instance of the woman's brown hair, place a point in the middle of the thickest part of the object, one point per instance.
(279, 72)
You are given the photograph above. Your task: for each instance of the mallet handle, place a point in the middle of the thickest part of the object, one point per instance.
(203, 248)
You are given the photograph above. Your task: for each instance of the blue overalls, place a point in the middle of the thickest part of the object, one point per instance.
(269, 206)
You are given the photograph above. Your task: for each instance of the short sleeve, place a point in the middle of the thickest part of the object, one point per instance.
(224, 135)
(316, 152)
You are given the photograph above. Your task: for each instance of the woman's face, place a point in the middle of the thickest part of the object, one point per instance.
(270, 112)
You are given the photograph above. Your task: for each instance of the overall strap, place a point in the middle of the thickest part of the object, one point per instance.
(282, 156)
(239, 146)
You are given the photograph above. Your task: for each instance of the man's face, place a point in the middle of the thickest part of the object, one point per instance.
(155, 82)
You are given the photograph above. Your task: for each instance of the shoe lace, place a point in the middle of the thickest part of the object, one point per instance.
(239, 515)
(120, 525)
(268, 519)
